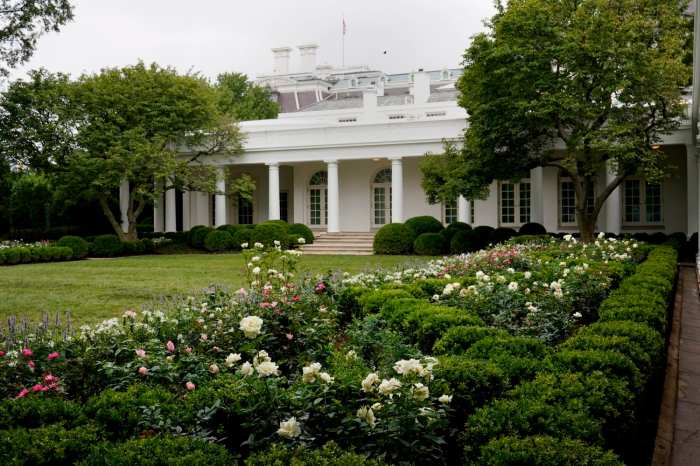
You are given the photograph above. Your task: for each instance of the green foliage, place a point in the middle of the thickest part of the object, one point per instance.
(218, 241)
(197, 235)
(466, 241)
(78, 245)
(459, 339)
(49, 445)
(429, 244)
(394, 238)
(243, 235)
(424, 224)
(32, 412)
(133, 247)
(243, 99)
(372, 301)
(544, 450)
(532, 228)
(301, 231)
(329, 455)
(106, 246)
(453, 228)
(502, 234)
(268, 232)
(163, 449)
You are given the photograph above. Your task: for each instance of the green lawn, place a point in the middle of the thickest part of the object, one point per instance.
(102, 288)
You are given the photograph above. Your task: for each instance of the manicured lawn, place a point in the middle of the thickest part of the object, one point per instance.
(102, 288)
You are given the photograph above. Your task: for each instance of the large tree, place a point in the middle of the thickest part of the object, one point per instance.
(581, 85)
(244, 100)
(22, 22)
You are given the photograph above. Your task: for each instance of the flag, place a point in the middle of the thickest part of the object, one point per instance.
(345, 29)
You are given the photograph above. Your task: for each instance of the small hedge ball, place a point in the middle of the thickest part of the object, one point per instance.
(299, 230)
(106, 246)
(198, 234)
(269, 232)
(218, 241)
(532, 228)
(242, 236)
(429, 244)
(465, 241)
(502, 234)
(393, 239)
(424, 224)
(453, 228)
(79, 246)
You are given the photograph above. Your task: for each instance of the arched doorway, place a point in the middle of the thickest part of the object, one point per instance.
(381, 198)
(318, 199)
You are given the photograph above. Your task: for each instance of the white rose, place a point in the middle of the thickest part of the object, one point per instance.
(301, 240)
(420, 392)
(366, 414)
(266, 369)
(214, 369)
(513, 286)
(276, 242)
(409, 366)
(326, 377)
(256, 270)
(289, 428)
(387, 387)
(232, 359)
(445, 399)
(369, 381)
(244, 245)
(310, 372)
(251, 326)
(247, 369)
(528, 274)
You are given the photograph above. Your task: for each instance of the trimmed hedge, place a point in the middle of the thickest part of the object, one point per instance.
(299, 230)
(393, 239)
(465, 241)
(106, 246)
(218, 241)
(29, 254)
(453, 228)
(53, 444)
(429, 244)
(329, 455)
(197, 235)
(532, 228)
(240, 237)
(269, 232)
(78, 245)
(424, 224)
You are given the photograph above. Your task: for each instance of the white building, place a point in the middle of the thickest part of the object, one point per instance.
(344, 155)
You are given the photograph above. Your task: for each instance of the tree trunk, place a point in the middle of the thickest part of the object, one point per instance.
(586, 226)
(111, 218)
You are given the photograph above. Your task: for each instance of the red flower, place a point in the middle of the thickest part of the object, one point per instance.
(54, 355)
(31, 364)
(27, 353)
(39, 388)
(22, 393)
(2, 353)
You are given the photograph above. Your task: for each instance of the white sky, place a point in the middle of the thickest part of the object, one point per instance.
(212, 36)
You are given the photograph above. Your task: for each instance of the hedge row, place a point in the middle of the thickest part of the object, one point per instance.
(230, 237)
(533, 404)
(29, 254)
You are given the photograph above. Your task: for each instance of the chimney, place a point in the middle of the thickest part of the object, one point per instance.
(281, 60)
(369, 99)
(308, 57)
(421, 87)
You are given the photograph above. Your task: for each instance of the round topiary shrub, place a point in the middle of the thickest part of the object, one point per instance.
(301, 231)
(79, 246)
(532, 228)
(465, 241)
(424, 224)
(218, 240)
(106, 246)
(394, 238)
(242, 236)
(429, 244)
(134, 247)
(502, 234)
(453, 228)
(269, 232)
(484, 233)
(230, 229)
(197, 235)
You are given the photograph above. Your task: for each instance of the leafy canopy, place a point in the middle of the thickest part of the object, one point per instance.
(573, 84)
(244, 100)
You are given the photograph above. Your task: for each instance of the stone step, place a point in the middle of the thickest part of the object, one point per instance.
(337, 253)
(318, 247)
(343, 240)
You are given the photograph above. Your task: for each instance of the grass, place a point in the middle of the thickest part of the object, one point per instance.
(93, 290)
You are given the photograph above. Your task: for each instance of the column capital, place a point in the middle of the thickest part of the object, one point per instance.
(331, 161)
(396, 159)
(273, 164)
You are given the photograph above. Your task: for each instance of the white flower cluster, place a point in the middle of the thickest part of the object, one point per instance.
(312, 372)
(262, 364)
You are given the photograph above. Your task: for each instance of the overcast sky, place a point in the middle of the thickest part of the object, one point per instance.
(213, 36)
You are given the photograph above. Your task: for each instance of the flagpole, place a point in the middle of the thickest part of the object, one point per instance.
(343, 40)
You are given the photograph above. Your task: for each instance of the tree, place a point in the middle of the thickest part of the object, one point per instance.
(581, 85)
(22, 22)
(244, 100)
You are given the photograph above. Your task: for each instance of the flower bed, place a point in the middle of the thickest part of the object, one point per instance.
(334, 367)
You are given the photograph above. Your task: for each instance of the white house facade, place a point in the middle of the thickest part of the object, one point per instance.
(344, 156)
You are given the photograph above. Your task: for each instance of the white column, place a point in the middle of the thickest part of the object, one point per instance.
(158, 205)
(691, 188)
(220, 198)
(186, 211)
(613, 206)
(396, 190)
(273, 196)
(124, 204)
(537, 195)
(462, 209)
(170, 210)
(333, 197)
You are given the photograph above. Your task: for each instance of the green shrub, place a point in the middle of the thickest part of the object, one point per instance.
(394, 238)
(465, 241)
(502, 234)
(12, 256)
(299, 230)
(544, 450)
(78, 245)
(451, 229)
(427, 323)
(329, 455)
(269, 232)
(395, 311)
(523, 239)
(429, 244)
(218, 241)
(348, 302)
(611, 363)
(161, 450)
(623, 345)
(457, 340)
(49, 445)
(424, 224)
(521, 358)
(484, 234)
(242, 236)
(197, 235)
(532, 229)
(642, 335)
(35, 411)
(230, 229)
(373, 301)
(133, 247)
(62, 253)
(106, 246)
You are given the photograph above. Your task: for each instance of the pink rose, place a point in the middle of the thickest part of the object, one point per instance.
(50, 380)
(22, 393)
(143, 370)
(289, 336)
(54, 355)
(190, 386)
(141, 353)
(27, 353)
(170, 346)
(2, 353)
(39, 388)
(188, 349)
(31, 364)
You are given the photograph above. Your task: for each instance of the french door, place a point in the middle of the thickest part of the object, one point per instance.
(381, 204)
(318, 206)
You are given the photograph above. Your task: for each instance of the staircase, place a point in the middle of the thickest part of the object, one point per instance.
(348, 244)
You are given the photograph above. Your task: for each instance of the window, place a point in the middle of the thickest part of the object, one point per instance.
(449, 212)
(642, 202)
(245, 211)
(567, 202)
(284, 206)
(514, 203)
(472, 212)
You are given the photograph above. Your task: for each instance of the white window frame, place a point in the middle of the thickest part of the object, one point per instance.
(517, 208)
(445, 207)
(560, 204)
(643, 219)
